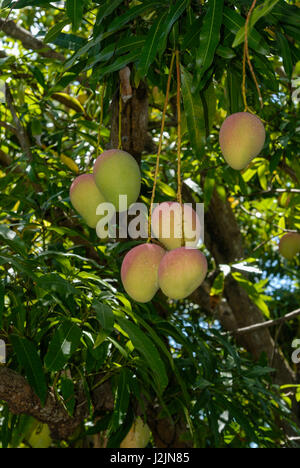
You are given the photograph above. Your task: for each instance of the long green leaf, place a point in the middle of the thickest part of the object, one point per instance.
(194, 113)
(173, 15)
(234, 22)
(29, 359)
(55, 31)
(106, 9)
(62, 346)
(151, 45)
(285, 53)
(209, 37)
(104, 315)
(133, 12)
(259, 12)
(147, 349)
(74, 10)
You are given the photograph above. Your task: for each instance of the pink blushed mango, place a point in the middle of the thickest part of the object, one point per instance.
(139, 271)
(181, 272)
(242, 137)
(289, 245)
(85, 198)
(167, 225)
(117, 173)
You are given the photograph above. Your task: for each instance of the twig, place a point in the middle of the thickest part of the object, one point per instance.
(20, 131)
(262, 325)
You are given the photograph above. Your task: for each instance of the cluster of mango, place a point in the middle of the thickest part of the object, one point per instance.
(148, 266)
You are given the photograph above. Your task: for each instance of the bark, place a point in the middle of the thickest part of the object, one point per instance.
(15, 390)
(28, 41)
(134, 122)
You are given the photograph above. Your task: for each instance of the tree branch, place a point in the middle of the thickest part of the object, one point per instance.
(17, 393)
(19, 129)
(268, 324)
(28, 41)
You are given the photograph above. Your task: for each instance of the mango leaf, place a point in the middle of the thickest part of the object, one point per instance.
(62, 346)
(105, 316)
(148, 350)
(133, 12)
(234, 91)
(234, 22)
(209, 39)
(68, 394)
(193, 106)
(285, 53)
(25, 3)
(106, 9)
(69, 101)
(151, 45)
(74, 10)
(55, 31)
(12, 239)
(121, 399)
(119, 63)
(173, 15)
(29, 359)
(259, 12)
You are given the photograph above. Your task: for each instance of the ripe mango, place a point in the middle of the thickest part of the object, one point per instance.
(85, 198)
(289, 245)
(242, 137)
(181, 272)
(139, 271)
(167, 225)
(117, 173)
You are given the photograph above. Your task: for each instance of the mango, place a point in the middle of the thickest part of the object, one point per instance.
(181, 272)
(139, 271)
(85, 198)
(138, 435)
(117, 173)
(289, 245)
(242, 137)
(167, 225)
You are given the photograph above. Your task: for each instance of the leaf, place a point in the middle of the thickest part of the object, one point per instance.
(69, 163)
(133, 12)
(69, 101)
(74, 10)
(194, 113)
(209, 38)
(119, 63)
(105, 316)
(285, 53)
(233, 21)
(173, 15)
(234, 91)
(258, 12)
(29, 359)
(25, 3)
(121, 399)
(12, 239)
(53, 282)
(148, 350)
(106, 9)
(62, 346)
(151, 45)
(55, 31)
(68, 394)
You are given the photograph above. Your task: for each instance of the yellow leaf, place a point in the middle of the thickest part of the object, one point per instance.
(69, 163)
(69, 101)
